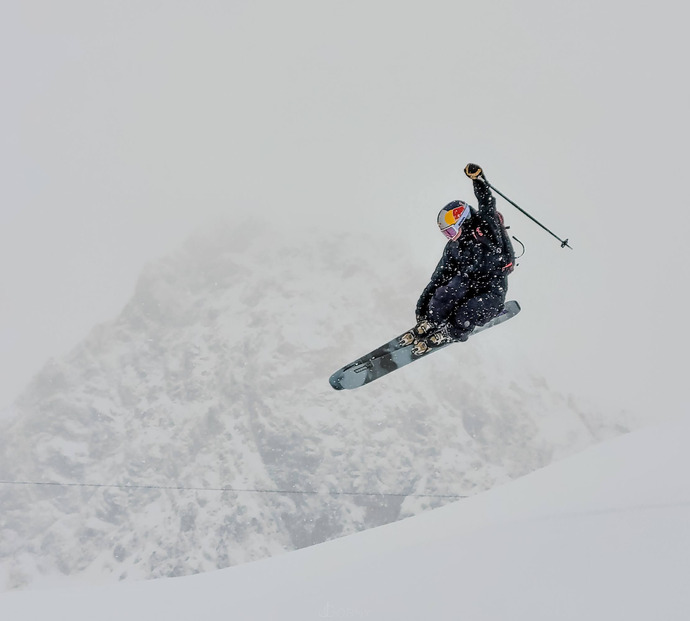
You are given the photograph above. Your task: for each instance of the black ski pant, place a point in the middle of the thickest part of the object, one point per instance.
(465, 304)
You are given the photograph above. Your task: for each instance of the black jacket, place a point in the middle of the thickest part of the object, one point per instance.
(483, 255)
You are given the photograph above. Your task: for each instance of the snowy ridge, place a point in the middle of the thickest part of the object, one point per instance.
(215, 375)
(601, 535)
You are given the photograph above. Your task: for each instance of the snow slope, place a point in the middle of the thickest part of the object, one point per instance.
(601, 535)
(215, 377)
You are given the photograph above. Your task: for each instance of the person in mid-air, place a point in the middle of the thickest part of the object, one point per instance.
(468, 287)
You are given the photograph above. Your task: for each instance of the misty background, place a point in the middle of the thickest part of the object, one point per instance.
(127, 126)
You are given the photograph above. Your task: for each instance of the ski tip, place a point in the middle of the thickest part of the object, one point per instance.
(334, 381)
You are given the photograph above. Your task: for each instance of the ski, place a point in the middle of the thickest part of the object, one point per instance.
(393, 355)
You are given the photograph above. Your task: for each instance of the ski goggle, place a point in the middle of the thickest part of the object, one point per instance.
(452, 230)
(451, 217)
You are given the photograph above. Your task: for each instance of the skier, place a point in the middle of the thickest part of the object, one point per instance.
(469, 285)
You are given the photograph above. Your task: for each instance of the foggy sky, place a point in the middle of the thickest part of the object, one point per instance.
(128, 126)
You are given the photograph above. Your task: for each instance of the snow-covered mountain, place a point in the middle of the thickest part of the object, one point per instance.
(198, 430)
(602, 535)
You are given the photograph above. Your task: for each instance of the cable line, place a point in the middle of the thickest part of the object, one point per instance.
(238, 490)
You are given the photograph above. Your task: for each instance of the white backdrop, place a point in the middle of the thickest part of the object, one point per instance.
(126, 126)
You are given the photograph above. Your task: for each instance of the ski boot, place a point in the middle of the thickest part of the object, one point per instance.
(422, 328)
(439, 337)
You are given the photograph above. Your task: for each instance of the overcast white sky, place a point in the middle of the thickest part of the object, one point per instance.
(128, 125)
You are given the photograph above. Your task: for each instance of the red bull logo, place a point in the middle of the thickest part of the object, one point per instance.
(450, 219)
(455, 215)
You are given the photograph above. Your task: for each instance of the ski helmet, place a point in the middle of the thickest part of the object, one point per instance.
(451, 217)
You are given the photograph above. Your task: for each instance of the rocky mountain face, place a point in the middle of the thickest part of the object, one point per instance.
(198, 430)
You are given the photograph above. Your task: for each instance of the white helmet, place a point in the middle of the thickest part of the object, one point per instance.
(451, 217)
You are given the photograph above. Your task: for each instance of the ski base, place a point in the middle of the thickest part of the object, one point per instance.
(392, 356)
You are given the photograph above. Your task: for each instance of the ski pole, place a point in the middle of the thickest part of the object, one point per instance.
(564, 242)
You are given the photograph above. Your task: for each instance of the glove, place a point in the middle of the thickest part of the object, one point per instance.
(474, 172)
